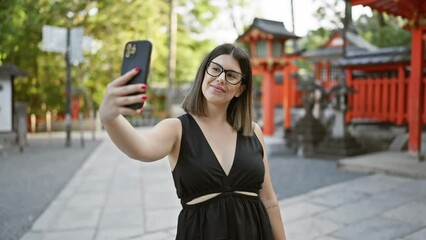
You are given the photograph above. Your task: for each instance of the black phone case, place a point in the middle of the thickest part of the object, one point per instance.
(137, 54)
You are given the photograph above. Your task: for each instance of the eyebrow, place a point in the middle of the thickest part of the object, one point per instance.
(226, 69)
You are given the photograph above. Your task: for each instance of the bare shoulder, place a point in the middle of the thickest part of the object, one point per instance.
(257, 130)
(168, 126)
(171, 127)
(170, 122)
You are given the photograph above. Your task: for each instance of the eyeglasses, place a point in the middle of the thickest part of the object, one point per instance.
(232, 77)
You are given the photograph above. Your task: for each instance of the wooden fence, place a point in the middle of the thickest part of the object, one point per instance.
(382, 99)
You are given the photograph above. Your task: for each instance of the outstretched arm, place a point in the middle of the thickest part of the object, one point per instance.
(153, 144)
(268, 197)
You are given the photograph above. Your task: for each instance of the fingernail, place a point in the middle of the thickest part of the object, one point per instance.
(144, 97)
(137, 69)
(143, 87)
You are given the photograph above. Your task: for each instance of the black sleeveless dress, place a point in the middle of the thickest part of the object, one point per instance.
(230, 215)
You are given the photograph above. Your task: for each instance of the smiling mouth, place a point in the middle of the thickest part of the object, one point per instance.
(217, 88)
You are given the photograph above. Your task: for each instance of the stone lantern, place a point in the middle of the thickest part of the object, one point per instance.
(339, 143)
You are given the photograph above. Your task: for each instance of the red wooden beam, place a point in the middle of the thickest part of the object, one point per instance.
(377, 98)
(411, 9)
(268, 103)
(287, 97)
(378, 67)
(363, 2)
(401, 95)
(415, 91)
(385, 82)
(393, 99)
(424, 100)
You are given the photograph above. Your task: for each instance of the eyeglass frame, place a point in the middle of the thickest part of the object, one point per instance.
(225, 71)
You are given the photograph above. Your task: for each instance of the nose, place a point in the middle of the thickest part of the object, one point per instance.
(221, 77)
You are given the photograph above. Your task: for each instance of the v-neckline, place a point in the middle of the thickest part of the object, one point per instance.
(214, 154)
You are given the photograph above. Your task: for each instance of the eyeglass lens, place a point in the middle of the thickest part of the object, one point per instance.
(231, 76)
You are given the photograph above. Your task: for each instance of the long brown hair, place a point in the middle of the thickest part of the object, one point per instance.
(239, 112)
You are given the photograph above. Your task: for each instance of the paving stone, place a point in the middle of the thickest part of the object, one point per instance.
(92, 186)
(133, 198)
(127, 199)
(75, 182)
(172, 232)
(365, 208)
(161, 200)
(378, 183)
(96, 173)
(156, 236)
(152, 186)
(49, 215)
(300, 210)
(413, 212)
(161, 219)
(415, 189)
(389, 199)
(339, 197)
(296, 199)
(33, 236)
(327, 238)
(72, 218)
(87, 200)
(125, 184)
(124, 216)
(66, 193)
(419, 235)
(310, 228)
(333, 188)
(376, 228)
(120, 233)
(80, 234)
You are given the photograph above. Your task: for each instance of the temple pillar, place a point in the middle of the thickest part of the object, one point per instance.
(268, 103)
(415, 92)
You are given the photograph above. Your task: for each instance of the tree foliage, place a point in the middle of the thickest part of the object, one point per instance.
(383, 30)
(380, 29)
(111, 23)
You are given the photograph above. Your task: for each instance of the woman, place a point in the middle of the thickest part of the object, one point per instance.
(219, 165)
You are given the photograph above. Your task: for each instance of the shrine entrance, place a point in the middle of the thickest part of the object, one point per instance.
(266, 42)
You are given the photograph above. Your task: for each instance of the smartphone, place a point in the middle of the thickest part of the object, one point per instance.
(137, 54)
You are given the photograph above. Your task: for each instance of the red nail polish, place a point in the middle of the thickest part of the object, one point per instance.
(143, 87)
(137, 69)
(144, 97)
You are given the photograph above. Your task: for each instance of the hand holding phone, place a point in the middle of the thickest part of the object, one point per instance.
(137, 54)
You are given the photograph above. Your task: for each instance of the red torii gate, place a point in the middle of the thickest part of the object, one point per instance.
(266, 41)
(415, 12)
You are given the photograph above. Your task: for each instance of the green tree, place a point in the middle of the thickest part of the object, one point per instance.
(383, 30)
(111, 23)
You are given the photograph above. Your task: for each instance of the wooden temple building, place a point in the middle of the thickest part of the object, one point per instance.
(406, 90)
(389, 83)
(266, 42)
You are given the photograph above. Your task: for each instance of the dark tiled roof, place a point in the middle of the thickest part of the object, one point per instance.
(379, 56)
(11, 70)
(358, 41)
(330, 53)
(355, 39)
(272, 27)
(409, 9)
(357, 45)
